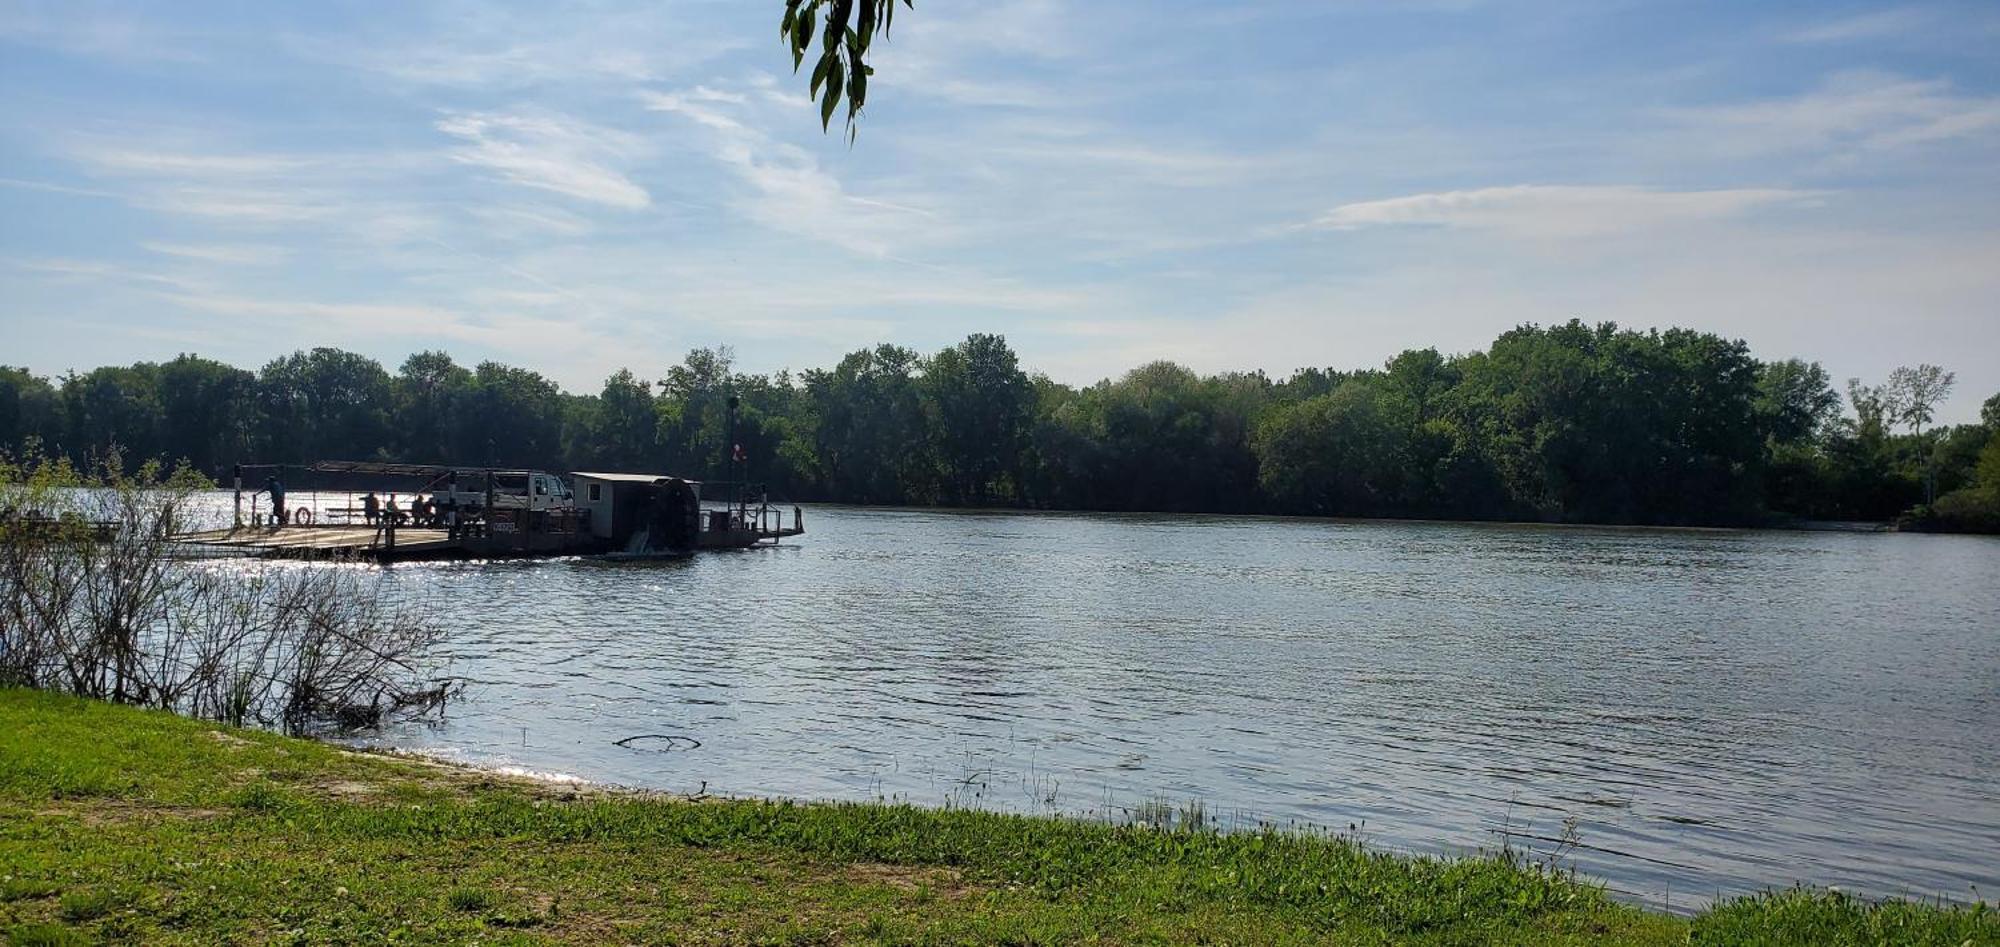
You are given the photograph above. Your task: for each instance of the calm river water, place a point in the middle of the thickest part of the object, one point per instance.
(1719, 711)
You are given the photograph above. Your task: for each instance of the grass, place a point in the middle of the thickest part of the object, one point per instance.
(124, 825)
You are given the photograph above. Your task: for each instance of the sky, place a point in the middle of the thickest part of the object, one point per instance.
(578, 187)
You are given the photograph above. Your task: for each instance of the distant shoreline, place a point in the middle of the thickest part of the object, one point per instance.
(1784, 525)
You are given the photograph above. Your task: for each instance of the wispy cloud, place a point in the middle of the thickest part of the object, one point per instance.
(529, 222)
(511, 66)
(357, 318)
(153, 162)
(1555, 211)
(1037, 28)
(106, 32)
(697, 105)
(226, 254)
(1100, 151)
(166, 171)
(715, 288)
(787, 189)
(497, 47)
(53, 188)
(1865, 26)
(257, 206)
(1856, 111)
(971, 55)
(548, 150)
(97, 271)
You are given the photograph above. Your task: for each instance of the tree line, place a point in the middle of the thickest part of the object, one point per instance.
(1564, 423)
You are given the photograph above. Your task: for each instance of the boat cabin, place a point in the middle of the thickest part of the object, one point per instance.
(641, 514)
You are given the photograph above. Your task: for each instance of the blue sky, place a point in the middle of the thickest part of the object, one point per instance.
(579, 187)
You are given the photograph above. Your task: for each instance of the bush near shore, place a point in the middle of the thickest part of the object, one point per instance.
(122, 825)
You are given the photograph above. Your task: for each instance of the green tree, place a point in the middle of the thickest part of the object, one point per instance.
(1795, 400)
(1954, 454)
(30, 411)
(1306, 383)
(866, 423)
(1160, 438)
(1710, 432)
(1913, 394)
(510, 417)
(979, 402)
(1859, 451)
(1443, 470)
(114, 406)
(1335, 454)
(322, 404)
(769, 425)
(1912, 398)
(693, 413)
(429, 391)
(1599, 424)
(207, 412)
(1796, 407)
(625, 424)
(1988, 469)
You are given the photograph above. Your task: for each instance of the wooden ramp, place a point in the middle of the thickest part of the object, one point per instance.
(317, 541)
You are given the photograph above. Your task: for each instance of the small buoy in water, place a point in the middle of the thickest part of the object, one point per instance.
(659, 742)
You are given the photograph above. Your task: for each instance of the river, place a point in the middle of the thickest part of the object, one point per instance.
(1717, 711)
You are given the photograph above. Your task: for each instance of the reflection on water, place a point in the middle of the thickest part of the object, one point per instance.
(1721, 711)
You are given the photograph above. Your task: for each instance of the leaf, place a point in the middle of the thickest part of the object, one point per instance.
(837, 71)
(819, 74)
(831, 99)
(838, 18)
(803, 36)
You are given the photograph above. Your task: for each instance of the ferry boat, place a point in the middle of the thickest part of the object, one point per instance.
(458, 512)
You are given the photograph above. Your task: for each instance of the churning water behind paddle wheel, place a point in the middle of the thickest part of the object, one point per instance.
(670, 512)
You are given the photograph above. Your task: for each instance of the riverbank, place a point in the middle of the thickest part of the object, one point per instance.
(122, 824)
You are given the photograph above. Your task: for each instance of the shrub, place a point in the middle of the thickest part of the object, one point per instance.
(93, 602)
(1971, 510)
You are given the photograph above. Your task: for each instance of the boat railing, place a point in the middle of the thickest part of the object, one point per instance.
(763, 520)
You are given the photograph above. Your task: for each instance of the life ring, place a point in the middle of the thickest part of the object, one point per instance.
(302, 516)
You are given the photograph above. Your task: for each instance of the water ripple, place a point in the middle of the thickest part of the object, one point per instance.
(1719, 711)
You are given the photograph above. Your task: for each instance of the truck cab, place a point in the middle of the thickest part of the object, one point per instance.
(532, 490)
(549, 492)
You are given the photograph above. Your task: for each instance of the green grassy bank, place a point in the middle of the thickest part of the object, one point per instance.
(120, 825)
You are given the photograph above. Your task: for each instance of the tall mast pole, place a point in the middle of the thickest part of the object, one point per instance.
(735, 465)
